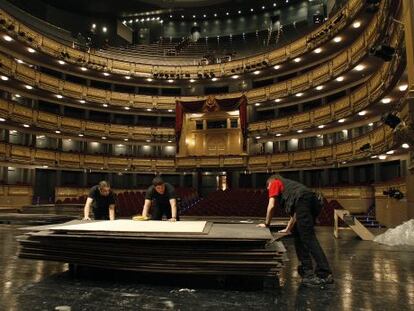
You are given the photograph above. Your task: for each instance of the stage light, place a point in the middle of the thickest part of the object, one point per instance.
(317, 51)
(390, 152)
(4, 78)
(31, 50)
(276, 67)
(362, 113)
(382, 157)
(106, 74)
(84, 68)
(341, 120)
(61, 62)
(384, 52)
(321, 126)
(391, 120)
(297, 59)
(337, 39)
(29, 87)
(340, 79)
(82, 101)
(319, 87)
(405, 146)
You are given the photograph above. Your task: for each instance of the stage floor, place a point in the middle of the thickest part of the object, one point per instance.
(368, 276)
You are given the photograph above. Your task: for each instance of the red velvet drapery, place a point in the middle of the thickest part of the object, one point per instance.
(210, 105)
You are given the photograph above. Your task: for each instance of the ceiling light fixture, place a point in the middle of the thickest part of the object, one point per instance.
(7, 38)
(360, 67)
(403, 87)
(356, 24)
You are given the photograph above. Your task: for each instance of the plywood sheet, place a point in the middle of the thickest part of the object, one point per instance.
(124, 225)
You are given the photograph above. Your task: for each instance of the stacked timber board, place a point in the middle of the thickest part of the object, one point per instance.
(180, 247)
(33, 219)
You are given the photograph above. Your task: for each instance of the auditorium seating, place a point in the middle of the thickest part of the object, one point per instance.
(209, 50)
(236, 202)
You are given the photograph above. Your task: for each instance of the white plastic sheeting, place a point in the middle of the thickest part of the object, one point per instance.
(401, 235)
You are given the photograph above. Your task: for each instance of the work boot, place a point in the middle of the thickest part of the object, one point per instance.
(317, 281)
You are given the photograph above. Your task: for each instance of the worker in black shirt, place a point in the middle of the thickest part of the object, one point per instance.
(304, 207)
(102, 200)
(163, 197)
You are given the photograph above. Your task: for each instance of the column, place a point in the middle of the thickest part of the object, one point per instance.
(58, 178)
(181, 178)
(325, 177)
(377, 172)
(351, 175)
(408, 20)
(235, 179)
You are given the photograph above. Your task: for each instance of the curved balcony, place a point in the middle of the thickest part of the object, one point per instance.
(381, 140)
(70, 126)
(368, 93)
(344, 61)
(298, 47)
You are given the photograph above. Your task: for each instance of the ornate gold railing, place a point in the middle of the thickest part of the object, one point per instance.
(45, 120)
(381, 139)
(323, 73)
(296, 48)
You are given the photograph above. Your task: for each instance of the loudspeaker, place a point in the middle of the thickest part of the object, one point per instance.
(384, 52)
(391, 120)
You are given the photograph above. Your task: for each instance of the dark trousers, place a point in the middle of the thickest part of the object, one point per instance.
(163, 210)
(307, 246)
(100, 213)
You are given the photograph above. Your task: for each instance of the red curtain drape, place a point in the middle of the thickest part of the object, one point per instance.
(227, 104)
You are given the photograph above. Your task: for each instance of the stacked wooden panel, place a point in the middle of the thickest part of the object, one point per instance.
(220, 249)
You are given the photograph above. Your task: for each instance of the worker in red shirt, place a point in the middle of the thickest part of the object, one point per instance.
(304, 207)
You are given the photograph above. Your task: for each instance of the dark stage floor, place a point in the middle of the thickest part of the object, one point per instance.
(368, 277)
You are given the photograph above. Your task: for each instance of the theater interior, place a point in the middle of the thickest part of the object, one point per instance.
(214, 97)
